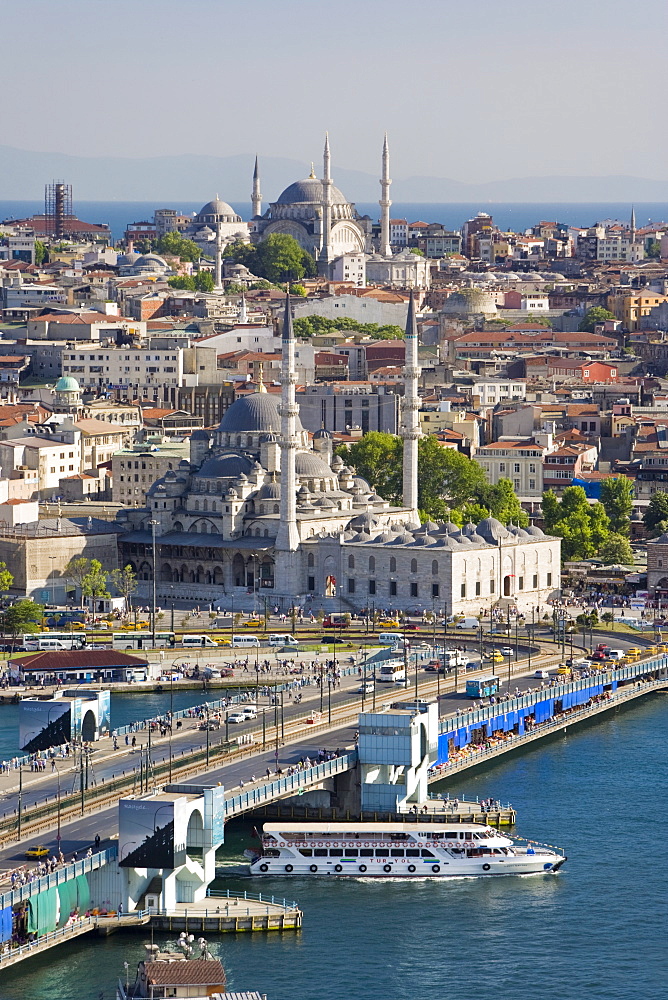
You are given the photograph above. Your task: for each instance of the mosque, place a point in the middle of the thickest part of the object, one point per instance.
(263, 511)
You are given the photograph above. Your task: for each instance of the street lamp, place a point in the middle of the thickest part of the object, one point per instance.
(153, 524)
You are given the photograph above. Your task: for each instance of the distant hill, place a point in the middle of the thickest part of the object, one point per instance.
(197, 178)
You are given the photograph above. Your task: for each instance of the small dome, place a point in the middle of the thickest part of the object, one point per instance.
(534, 530)
(307, 463)
(322, 433)
(361, 484)
(270, 491)
(67, 384)
(491, 530)
(224, 467)
(199, 435)
(217, 211)
(152, 260)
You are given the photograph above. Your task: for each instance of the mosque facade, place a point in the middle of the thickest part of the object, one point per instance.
(261, 510)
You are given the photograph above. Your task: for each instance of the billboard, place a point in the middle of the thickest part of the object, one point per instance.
(103, 713)
(146, 833)
(214, 815)
(44, 724)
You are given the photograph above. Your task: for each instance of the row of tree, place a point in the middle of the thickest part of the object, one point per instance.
(91, 579)
(279, 258)
(315, 326)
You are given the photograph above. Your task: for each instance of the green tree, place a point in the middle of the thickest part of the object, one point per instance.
(281, 258)
(417, 252)
(6, 578)
(94, 583)
(500, 501)
(24, 616)
(656, 511)
(617, 499)
(76, 571)
(298, 289)
(653, 249)
(204, 281)
(583, 527)
(313, 326)
(178, 246)
(125, 582)
(616, 549)
(377, 457)
(597, 314)
(182, 281)
(40, 252)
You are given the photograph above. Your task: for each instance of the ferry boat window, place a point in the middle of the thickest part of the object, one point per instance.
(382, 852)
(412, 852)
(272, 853)
(320, 852)
(351, 852)
(427, 854)
(366, 852)
(307, 852)
(468, 835)
(395, 853)
(451, 836)
(336, 852)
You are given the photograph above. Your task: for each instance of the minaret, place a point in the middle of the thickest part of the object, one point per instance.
(324, 258)
(243, 311)
(256, 197)
(287, 538)
(385, 248)
(410, 404)
(218, 282)
(633, 223)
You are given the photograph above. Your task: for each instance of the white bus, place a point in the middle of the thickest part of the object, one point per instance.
(53, 640)
(142, 640)
(392, 672)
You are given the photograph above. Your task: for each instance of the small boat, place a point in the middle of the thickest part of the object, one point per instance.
(184, 973)
(397, 850)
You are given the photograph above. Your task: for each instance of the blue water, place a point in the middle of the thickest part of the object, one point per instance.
(507, 215)
(596, 931)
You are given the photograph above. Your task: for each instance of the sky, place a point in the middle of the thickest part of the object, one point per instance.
(472, 90)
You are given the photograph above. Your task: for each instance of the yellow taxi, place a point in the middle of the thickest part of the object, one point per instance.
(253, 623)
(222, 640)
(563, 670)
(662, 647)
(495, 656)
(388, 623)
(38, 851)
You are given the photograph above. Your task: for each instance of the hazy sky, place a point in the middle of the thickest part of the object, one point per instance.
(468, 89)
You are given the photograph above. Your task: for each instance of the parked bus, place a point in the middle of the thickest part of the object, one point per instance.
(392, 672)
(482, 687)
(143, 640)
(336, 621)
(54, 640)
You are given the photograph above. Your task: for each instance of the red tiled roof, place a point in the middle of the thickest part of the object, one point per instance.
(73, 659)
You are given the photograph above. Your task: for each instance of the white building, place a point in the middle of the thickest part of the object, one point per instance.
(492, 391)
(138, 370)
(399, 233)
(521, 461)
(350, 267)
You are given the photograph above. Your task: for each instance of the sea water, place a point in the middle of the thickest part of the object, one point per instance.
(596, 930)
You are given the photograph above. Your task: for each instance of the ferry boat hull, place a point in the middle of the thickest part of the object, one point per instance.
(396, 850)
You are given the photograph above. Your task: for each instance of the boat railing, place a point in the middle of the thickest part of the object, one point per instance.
(257, 896)
(447, 801)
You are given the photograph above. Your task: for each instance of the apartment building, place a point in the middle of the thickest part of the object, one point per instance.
(134, 470)
(138, 371)
(521, 461)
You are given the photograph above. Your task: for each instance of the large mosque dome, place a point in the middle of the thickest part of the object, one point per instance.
(216, 211)
(309, 191)
(256, 413)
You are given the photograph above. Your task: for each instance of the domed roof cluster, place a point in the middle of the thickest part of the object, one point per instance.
(363, 529)
(225, 467)
(217, 211)
(309, 191)
(256, 413)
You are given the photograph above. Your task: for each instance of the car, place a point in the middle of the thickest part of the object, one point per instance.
(388, 623)
(495, 656)
(541, 675)
(249, 711)
(410, 627)
(253, 623)
(598, 655)
(433, 666)
(562, 670)
(507, 651)
(226, 672)
(38, 851)
(236, 717)
(634, 651)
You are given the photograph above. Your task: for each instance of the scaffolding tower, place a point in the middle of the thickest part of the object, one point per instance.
(58, 208)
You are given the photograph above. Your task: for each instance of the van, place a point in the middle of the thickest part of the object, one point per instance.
(469, 623)
(541, 675)
(282, 639)
(366, 687)
(390, 638)
(250, 711)
(615, 654)
(239, 641)
(211, 673)
(198, 640)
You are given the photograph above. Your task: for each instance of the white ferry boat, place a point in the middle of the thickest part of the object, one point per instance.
(389, 850)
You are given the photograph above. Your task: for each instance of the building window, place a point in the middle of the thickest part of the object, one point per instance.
(477, 588)
(435, 590)
(491, 586)
(311, 583)
(462, 590)
(393, 588)
(372, 587)
(521, 582)
(549, 579)
(351, 562)
(393, 565)
(351, 586)
(413, 565)
(414, 590)
(517, 466)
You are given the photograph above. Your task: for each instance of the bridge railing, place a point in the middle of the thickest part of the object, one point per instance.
(296, 782)
(57, 877)
(274, 900)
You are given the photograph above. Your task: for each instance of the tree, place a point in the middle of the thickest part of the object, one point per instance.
(76, 570)
(500, 501)
(281, 258)
(40, 252)
(313, 326)
(6, 578)
(178, 246)
(298, 290)
(417, 252)
(616, 549)
(183, 281)
(653, 249)
(94, 583)
(377, 457)
(583, 527)
(204, 281)
(125, 582)
(617, 499)
(24, 616)
(597, 314)
(656, 511)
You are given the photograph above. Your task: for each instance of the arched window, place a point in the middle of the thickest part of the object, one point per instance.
(372, 564)
(262, 508)
(434, 567)
(213, 505)
(276, 508)
(393, 565)
(196, 504)
(205, 504)
(311, 560)
(413, 565)
(351, 562)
